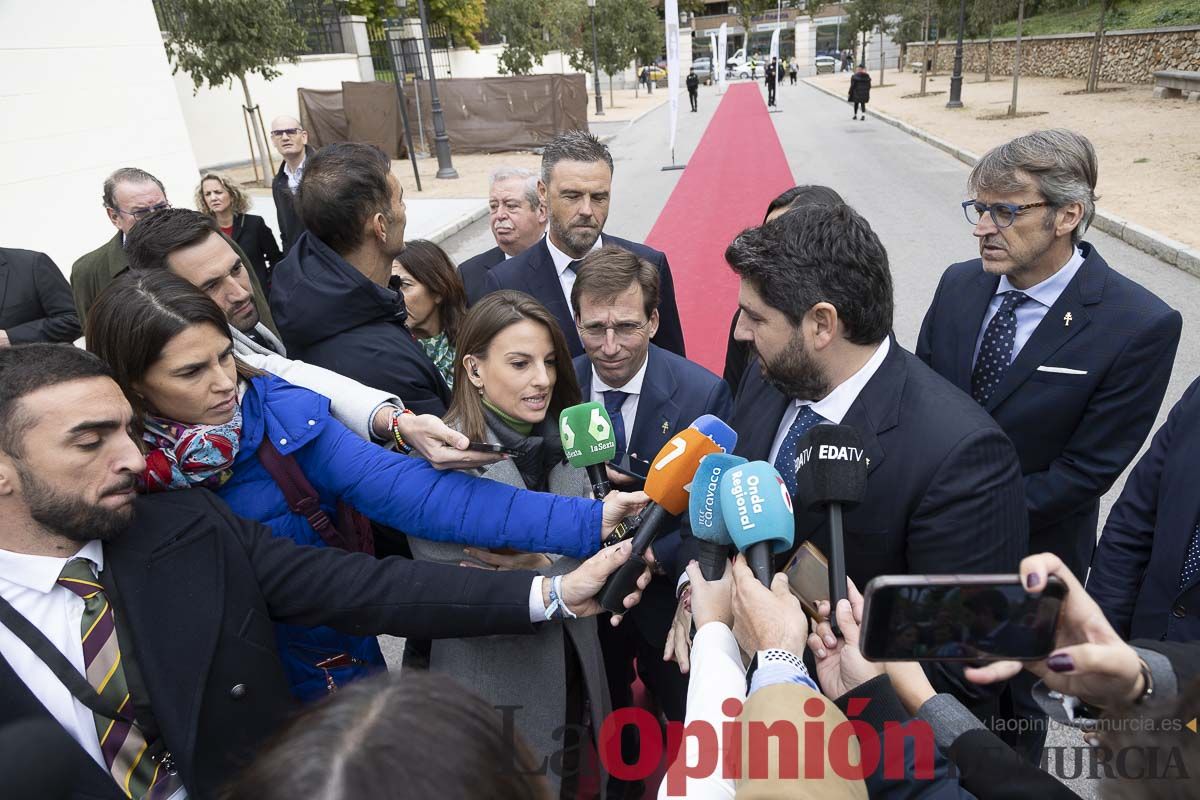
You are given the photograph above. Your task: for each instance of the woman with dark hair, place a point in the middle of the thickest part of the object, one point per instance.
(273, 452)
(737, 354)
(420, 735)
(434, 298)
(223, 199)
(513, 377)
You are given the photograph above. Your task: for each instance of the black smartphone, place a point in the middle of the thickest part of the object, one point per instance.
(492, 447)
(958, 618)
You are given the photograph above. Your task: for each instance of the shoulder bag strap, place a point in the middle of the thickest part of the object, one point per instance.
(300, 495)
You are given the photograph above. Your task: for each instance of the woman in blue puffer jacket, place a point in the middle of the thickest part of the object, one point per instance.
(206, 417)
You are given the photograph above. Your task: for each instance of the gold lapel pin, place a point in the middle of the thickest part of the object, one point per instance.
(1067, 319)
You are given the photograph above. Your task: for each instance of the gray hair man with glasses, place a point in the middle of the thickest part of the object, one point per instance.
(1068, 355)
(290, 140)
(130, 194)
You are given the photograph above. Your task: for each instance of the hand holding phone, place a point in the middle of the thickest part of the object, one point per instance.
(492, 447)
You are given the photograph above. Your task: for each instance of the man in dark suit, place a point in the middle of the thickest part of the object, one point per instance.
(291, 142)
(1146, 570)
(517, 220)
(35, 300)
(97, 583)
(575, 187)
(1071, 358)
(650, 394)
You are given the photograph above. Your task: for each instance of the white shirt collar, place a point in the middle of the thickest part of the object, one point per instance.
(561, 259)
(40, 573)
(287, 168)
(1047, 292)
(837, 403)
(632, 386)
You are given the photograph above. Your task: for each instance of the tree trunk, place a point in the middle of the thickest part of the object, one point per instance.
(987, 62)
(1012, 109)
(263, 159)
(937, 41)
(611, 97)
(881, 56)
(1093, 80)
(925, 46)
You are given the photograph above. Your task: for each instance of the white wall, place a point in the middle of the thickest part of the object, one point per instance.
(214, 116)
(85, 88)
(466, 63)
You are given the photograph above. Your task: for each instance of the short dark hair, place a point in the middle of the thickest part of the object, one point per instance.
(815, 254)
(343, 185)
(421, 731)
(154, 238)
(607, 272)
(811, 195)
(24, 369)
(573, 146)
(127, 175)
(432, 268)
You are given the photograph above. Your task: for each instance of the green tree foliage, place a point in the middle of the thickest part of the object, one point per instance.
(531, 29)
(625, 30)
(462, 19)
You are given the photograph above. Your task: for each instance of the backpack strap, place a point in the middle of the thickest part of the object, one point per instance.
(300, 495)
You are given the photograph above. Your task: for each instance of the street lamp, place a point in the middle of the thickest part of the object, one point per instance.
(595, 59)
(441, 141)
(957, 78)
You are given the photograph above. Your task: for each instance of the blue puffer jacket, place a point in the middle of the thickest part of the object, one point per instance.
(401, 492)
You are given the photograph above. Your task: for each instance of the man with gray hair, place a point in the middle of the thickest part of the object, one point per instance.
(576, 187)
(517, 219)
(1070, 357)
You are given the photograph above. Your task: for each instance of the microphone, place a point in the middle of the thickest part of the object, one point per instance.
(667, 485)
(715, 428)
(704, 513)
(831, 474)
(758, 513)
(588, 441)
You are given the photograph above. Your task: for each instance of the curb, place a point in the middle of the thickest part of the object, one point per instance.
(446, 231)
(1164, 248)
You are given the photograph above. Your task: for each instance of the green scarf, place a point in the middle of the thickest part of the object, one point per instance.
(523, 428)
(441, 353)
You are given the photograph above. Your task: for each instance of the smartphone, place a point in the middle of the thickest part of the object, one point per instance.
(958, 618)
(492, 447)
(808, 577)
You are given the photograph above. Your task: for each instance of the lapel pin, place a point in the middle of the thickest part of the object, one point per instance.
(1067, 319)
(666, 425)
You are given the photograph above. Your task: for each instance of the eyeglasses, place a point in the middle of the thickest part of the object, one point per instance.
(622, 331)
(282, 132)
(1003, 214)
(142, 213)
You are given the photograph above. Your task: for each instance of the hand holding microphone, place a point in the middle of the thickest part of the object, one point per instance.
(581, 586)
(758, 514)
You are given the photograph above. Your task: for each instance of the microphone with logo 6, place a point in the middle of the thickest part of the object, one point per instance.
(588, 441)
(704, 513)
(666, 484)
(832, 475)
(758, 513)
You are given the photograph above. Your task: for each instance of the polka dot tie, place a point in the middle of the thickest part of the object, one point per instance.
(785, 460)
(995, 353)
(1191, 561)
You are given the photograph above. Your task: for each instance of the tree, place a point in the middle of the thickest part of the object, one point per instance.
(216, 41)
(1093, 80)
(1012, 109)
(531, 30)
(462, 19)
(873, 15)
(625, 30)
(746, 11)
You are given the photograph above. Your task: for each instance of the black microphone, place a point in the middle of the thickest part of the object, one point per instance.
(39, 759)
(831, 474)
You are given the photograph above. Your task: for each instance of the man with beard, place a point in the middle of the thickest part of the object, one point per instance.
(141, 625)
(517, 220)
(576, 187)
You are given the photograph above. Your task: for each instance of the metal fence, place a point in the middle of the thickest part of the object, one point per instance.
(318, 18)
(393, 40)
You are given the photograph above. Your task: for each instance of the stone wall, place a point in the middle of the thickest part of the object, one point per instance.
(1128, 57)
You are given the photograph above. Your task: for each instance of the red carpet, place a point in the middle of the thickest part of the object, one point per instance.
(737, 169)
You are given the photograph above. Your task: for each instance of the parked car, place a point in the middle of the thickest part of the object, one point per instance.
(658, 73)
(703, 69)
(825, 64)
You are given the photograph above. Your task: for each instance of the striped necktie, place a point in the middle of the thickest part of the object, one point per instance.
(126, 753)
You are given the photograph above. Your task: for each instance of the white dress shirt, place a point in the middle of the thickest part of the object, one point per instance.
(629, 409)
(295, 175)
(566, 277)
(1029, 315)
(837, 403)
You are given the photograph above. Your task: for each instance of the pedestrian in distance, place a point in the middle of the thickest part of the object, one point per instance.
(860, 91)
(693, 87)
(792, 71)
(772, 74)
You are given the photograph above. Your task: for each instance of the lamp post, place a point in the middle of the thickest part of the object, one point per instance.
(595, 59)
(441, 142)
(956, 79)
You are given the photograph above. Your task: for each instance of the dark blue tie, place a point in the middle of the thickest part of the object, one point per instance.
(613, 400)
(1191, 560)
(785, 460)
(995, 353)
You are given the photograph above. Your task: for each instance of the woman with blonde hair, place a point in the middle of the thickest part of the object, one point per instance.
(223, 199)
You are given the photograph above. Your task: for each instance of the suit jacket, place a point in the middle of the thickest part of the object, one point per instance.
(187, 564)
(533, 272)
(474, 272)
(1136, 569)
(290, 224)
(258, 243)
(943, 484)
(1076, 431)
(35, 299)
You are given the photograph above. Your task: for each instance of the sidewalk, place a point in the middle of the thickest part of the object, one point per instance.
(1148, 149)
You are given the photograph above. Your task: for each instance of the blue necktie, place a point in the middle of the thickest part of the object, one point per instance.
(613, 400)
(1191, 561)
(785, 460)
(995, 353)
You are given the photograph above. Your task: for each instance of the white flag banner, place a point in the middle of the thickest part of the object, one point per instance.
(774, 47)
(671, 13)
(722, 46)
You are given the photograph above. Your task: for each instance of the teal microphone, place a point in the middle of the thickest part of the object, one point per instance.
(758, 514)
(588, 442)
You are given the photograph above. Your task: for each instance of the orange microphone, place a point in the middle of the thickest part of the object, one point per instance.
(667, 485)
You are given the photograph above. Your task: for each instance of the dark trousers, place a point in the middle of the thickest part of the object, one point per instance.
(692, 97)
(770, 94)
(858, 105)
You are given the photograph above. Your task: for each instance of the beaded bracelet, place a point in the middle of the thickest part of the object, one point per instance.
(394, 425)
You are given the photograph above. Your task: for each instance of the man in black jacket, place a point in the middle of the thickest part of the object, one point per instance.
(331, 296)
(98, 584)
(35, 300)
(291, 142)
